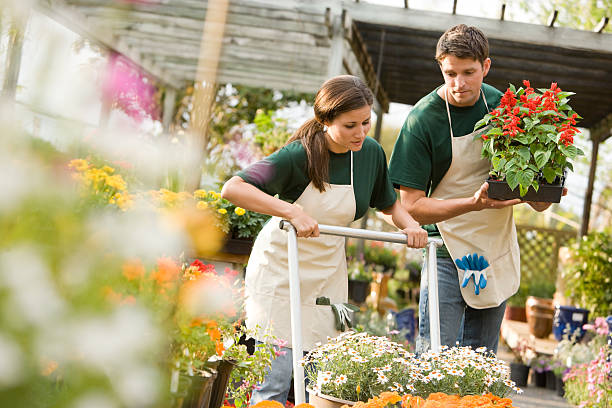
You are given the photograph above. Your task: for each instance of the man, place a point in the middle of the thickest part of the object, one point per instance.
(437, 165)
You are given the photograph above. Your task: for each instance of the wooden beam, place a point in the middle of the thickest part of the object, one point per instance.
(588, 195)
(493, 28)
(204, 88)
(552, 18)
(334, 66)
(361, 53)
(18, 24)
(602, 24)
(168, 108)
(75, 21)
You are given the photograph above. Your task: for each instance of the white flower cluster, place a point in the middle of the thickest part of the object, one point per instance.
(460, 370)
(357, 366)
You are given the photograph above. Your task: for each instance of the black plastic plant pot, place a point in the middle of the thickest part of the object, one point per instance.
(358, 290)
(550, 193)
(519, 373)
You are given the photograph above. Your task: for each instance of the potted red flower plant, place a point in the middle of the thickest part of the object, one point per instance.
(530, 142)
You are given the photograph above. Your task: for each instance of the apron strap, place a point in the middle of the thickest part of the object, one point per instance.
(351, 168)
(450, 123)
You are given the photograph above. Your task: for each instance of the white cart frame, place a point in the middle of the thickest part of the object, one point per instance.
(294, 289)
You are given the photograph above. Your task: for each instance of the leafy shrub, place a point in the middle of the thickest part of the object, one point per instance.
(590, 273)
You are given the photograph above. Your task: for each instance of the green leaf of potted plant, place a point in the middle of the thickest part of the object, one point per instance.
(530, 143)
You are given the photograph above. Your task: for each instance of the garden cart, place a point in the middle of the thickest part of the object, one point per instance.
(294, 288)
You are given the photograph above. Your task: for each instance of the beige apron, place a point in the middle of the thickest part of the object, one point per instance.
(322, 269)
(489, 233)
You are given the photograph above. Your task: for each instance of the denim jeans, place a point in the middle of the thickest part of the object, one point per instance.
(458, 321)
(278, 379)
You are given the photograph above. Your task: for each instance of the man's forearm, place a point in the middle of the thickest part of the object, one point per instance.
(427, 210)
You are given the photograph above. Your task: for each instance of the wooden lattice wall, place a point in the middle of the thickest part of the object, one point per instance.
(540, 250)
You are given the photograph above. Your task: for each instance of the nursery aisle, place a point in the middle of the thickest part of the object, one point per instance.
(532, 396)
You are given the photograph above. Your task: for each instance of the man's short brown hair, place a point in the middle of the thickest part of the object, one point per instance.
(462, 41)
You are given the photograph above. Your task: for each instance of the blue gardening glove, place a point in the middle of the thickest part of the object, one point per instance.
(473, 267)
(343, 312)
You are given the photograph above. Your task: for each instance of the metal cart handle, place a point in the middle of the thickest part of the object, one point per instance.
(294, 289)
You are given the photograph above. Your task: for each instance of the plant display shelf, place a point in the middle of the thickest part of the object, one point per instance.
(512, 331)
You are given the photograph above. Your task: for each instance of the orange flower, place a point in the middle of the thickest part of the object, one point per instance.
(133, 269)
(215, 335)
(390, 397)
(268, 404)
(167, 272)
(413, 402)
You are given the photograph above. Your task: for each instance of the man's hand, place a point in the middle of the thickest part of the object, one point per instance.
(416, 237)
(482, 200)
(542, 205)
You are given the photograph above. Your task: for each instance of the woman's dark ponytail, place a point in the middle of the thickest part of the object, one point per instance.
(312, 136)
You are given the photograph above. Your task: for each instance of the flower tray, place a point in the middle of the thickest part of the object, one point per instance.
(550, 193)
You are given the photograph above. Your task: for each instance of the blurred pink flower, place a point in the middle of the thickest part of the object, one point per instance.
(126, 87)
(600, 327)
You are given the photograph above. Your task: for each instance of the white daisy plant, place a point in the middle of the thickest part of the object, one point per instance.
(370, 366)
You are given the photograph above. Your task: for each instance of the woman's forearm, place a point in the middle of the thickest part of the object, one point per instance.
(251, 198)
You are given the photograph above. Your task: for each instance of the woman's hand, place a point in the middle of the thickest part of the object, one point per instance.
(416, 237)
(304, 224)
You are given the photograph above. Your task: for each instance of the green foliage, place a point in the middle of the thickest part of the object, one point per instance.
(377, 253)
(520, 297)
(358, 270)
(530, 140)
(237, 221)
(272, 133)
(249, 369)
(589, 276)
(585, 14)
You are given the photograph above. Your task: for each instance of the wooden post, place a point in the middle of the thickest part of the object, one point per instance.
(586, 212)
(336, 50)
(168, 108)
(13, 59)
(204, 89)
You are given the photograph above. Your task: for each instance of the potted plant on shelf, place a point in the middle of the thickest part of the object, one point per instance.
(539, 308)
(240, 226)
(539, 367)
(515, 306)
(523, 353)
(360, 276)
(530, 142)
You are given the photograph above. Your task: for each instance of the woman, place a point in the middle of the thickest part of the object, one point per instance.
(329, 173)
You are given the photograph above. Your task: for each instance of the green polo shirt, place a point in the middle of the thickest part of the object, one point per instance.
(423, 151)
(284, 173)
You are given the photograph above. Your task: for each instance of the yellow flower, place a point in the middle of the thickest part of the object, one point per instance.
(108, 169)
(202, 205)
(222, 211)
(116, 182)
(239, 211)
(200, 194)
(214, 194)
(78, 164)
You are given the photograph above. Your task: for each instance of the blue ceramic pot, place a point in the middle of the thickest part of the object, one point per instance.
(575, 317)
